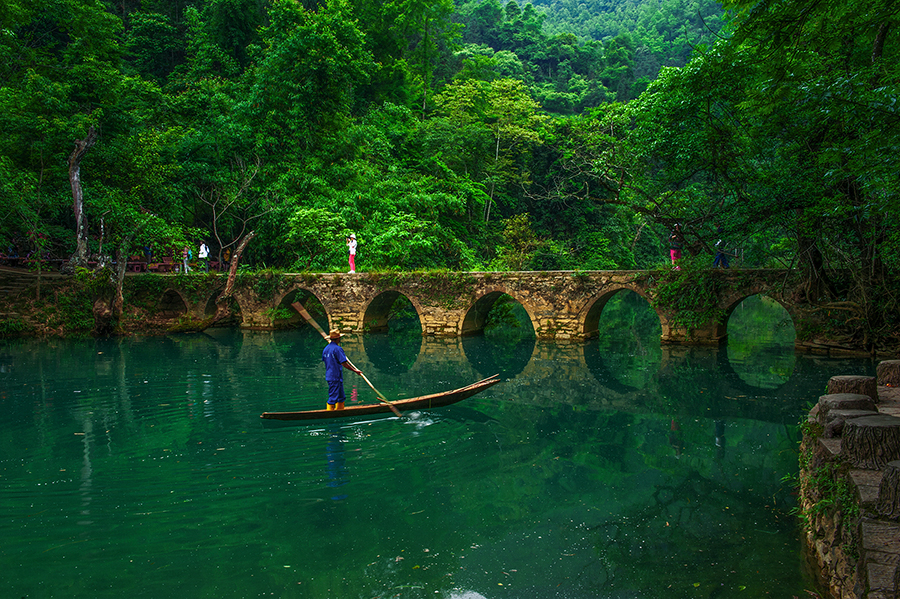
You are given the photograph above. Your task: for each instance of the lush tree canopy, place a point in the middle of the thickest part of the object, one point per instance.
(480, 134)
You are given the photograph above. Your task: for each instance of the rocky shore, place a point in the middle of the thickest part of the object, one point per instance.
(850, 484)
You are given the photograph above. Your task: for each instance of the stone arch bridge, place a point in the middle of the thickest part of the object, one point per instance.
(562, 305)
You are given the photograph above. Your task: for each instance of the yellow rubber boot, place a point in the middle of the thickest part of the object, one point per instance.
(330, 406)
(339, 405)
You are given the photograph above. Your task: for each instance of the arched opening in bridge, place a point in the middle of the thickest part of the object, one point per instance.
(760, 342)
(392, 333)
(391, 311)
(498, 335)
(171, 306)
(234, 317)
(625, 353)
(286, 317)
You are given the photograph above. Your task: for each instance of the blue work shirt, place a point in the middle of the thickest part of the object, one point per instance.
(333, 355)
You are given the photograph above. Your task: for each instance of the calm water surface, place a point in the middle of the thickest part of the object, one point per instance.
(140, 468)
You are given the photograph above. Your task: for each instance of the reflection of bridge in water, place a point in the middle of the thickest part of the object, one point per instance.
(694, 382)
(690, 381)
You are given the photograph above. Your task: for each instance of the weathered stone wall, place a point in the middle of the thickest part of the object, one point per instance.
(852, 528)
(562, 305)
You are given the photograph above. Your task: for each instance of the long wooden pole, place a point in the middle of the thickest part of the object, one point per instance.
(302, 311)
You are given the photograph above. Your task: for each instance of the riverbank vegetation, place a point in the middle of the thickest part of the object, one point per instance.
(478, 134)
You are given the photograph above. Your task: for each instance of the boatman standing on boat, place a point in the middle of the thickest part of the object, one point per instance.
(335, 361)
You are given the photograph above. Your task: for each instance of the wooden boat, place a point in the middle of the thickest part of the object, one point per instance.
(424, 402)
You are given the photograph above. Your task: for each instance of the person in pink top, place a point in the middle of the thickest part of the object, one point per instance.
(351, 244)
(676, 243)
(185, 257)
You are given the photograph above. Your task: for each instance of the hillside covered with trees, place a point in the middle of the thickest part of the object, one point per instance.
(475, 135)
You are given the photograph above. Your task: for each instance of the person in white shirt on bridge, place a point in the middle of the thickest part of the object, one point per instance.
(351, 245)
(204, 255)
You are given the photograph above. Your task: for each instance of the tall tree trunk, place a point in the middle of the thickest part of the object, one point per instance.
(817, 285)
(81, 148)
(232, 270)
(221, 308)
(121, 266)
(425, 77)
(878, 45)
(487, 209)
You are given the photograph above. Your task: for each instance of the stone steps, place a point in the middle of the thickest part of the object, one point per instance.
(875, 572)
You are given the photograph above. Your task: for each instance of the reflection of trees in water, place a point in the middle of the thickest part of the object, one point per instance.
(397, 349)
(690, 522)
(491, 356)
(300, 347)
(699, 381)
(650, 513)
(761, 342)
(763, 367)
(392, 353)
(627, 351)
(605, 368)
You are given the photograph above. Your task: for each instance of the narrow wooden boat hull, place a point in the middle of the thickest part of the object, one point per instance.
(424, 402)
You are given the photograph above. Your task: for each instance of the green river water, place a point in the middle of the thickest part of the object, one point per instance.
(139, 467)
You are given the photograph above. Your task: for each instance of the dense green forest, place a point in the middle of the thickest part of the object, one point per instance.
(475, 135)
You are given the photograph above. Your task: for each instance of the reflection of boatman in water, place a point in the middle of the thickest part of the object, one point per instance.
(335, 463)
(720, 438)
(677, 443)
(675, 438)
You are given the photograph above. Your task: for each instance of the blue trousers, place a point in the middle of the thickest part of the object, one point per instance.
(336, 392)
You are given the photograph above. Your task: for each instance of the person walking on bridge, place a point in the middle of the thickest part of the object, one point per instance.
(676, 243)
(185, 258)
(721, 258)
(204, 256)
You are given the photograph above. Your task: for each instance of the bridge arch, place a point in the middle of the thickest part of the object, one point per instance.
(290, 318)
(377, 312)
(209, 307)
(173, 304)
(476, 316)
(589, 318)
(392, 350)
(731, 302)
